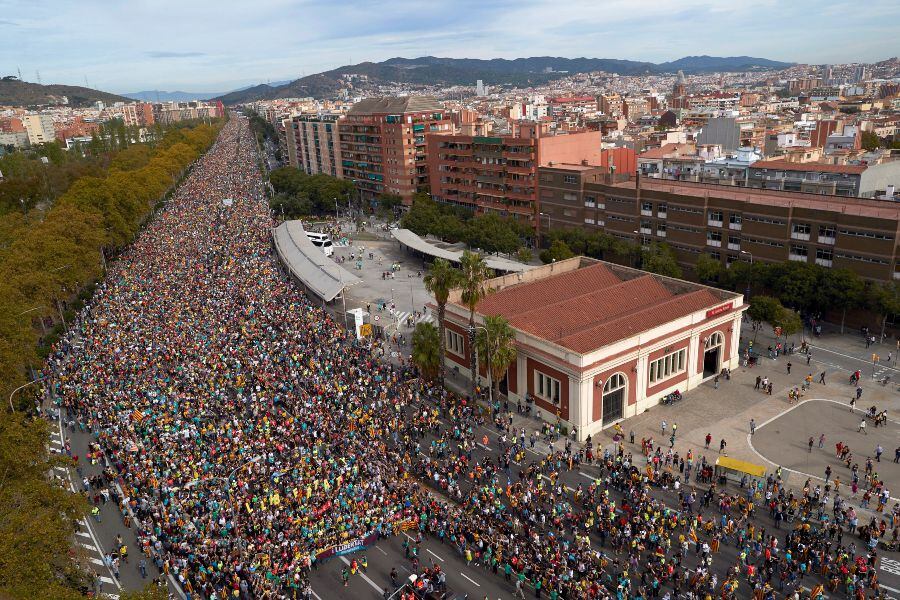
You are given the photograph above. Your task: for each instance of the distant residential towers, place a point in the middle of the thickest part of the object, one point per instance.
(313, 144)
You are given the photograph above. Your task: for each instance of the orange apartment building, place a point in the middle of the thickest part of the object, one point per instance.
(382, 144)
(498, 173)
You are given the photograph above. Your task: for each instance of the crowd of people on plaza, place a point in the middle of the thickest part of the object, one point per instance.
(250, 432)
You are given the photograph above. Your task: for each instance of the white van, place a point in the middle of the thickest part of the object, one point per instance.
(322, 241)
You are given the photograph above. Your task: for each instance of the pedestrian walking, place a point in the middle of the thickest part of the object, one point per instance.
(862, 426)
(808, 357)
(708, 440)
(758, 382)
(852, 404)
(859, 392)
(822, 377)
(810, 443)
(822, 441)
(662, 427)
(789, 368)
(878, 452)
(722, 445)
(827, 473)
(752, 426)
(716, 383)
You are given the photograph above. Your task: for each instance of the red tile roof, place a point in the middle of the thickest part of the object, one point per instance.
(808, 167)
(591, 307)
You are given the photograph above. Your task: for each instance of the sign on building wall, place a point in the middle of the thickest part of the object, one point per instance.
(719, 310)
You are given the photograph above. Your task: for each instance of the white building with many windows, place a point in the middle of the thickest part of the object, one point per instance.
(598, 342)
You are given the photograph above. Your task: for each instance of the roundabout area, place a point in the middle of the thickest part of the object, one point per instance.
(784, 441)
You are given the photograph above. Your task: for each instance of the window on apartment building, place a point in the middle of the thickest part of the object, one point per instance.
(546, 387)
(714, 236)
(647, 206)
(546, 177)
(455, 343)
(570, 197)
(667, 366)
(801, 228)
(570, 179)
(715, 215)
(662, 208)
(661, 226)
(827, 231)
(824, 254)
(798, 250)
(735, 219)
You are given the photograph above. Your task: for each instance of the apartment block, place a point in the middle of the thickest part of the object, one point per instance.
(39, 128)
(820, 178)
(498, 173)
(313, 144)
(728, 223)
(383, 147)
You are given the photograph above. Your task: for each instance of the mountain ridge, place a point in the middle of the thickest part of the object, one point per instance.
(23, 93)
(523, 72)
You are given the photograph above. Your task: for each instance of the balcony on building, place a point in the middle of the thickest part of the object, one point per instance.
(797, 257)
(825, 262)
(733, 246)
(714, 243)
(827, 239)
(646, 213)
(714, 223)
(795, 235)
(646, 230)
(660, 233)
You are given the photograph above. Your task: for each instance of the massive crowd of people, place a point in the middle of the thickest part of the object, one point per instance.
(251, 432)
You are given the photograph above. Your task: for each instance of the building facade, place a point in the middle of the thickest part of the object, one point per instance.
(864, 181)
(313, 144)
(382, 144)
(598, 343)
(40, 128)
(489, 173)
(726, 222)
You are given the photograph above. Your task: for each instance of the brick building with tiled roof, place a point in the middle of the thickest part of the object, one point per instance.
(599, 342)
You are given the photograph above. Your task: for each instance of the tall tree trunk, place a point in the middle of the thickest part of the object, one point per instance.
(843, 316)
(442, 309)
(472, 353)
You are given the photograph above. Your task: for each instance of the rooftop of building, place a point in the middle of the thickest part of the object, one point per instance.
(840, 204)
(583, 304)
(393, 105)
(811, 167)
(670, 151)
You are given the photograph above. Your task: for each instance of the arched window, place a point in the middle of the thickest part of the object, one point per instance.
(614, 383)
(715, 339)
(614, 398)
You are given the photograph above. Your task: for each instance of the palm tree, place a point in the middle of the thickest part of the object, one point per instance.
(475, 273)
(426, 350)
(440, 279)
(496, 341)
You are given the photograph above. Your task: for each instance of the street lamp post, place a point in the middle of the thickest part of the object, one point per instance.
(540, 236)
(750, 254)
(13, 408)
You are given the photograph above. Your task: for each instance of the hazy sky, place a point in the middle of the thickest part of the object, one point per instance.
(219, 45)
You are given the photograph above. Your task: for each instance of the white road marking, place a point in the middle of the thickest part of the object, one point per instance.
(105, 579)
(380, 550)
(83, 534)
(363, 575)
(434, 555)
(87, 546)
(470, 579)
(96, 561)
(480, 445)
(890, 589)
(318, 597)
(583, 474)
(856, 358)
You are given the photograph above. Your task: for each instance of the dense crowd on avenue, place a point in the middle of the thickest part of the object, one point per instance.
(251, 432)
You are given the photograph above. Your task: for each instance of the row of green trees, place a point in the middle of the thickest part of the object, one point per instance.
(50, 258)
(494, 340)
(490, 232)
(805, 287)
(657, 257)
(300, 195)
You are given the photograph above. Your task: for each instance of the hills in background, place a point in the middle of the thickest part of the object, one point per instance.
(22, 93)
(523, 72)
(178, 96)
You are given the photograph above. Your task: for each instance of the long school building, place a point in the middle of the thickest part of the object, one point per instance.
(598, 342)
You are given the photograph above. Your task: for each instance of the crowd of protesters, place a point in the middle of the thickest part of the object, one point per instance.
(250, 432)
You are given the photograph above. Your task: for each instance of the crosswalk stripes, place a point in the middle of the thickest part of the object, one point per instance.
(402, 317)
